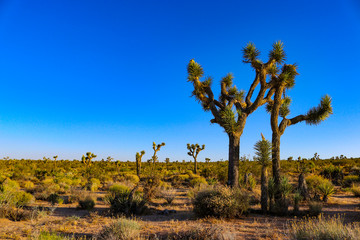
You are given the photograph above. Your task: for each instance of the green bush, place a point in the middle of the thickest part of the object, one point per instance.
(355, 190)
(119, 189)
(122, 229)
(350, 180)
(323, 229)
(93, 184)
(55, 199)
(122, 203)
(48, 236)
(221, 202)
(87, 203)
(196, 181)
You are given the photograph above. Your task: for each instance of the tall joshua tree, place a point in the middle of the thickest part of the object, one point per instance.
(156, 148)
(279, 107)
(138, 157)
(194, 150)
(87, 160)
(233, 107)
(263, 156)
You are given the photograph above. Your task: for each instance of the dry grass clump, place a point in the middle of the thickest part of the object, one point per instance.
(122, 229)
(200, 232)
(323, 229)
(355, 190)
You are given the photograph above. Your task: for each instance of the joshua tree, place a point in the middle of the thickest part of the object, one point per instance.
(55, 157)
(194, 150)
(87, 160)
(138, 157)
(233, 107)
(263, 156)
(109, 159)
(156, 149)
(279, 106)
(167, 161)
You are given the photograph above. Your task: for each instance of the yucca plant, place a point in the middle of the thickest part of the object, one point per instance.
(263, 156)
(326, 189)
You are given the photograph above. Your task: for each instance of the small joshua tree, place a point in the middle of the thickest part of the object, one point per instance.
(55, 157)
(87, 160)
(109, 159)
(167, 162)
(263, 156)
(156, 149)
(194, 150)
(138, 157)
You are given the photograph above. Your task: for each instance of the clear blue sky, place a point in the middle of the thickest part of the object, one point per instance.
(110, 76)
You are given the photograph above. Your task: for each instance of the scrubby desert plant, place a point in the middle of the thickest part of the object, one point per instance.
(221, 202)
(201, 232)
(87, 203)
(124, 201)
(55, 199)
(315, 208)
(355, 190)
(122, 229)
(323, 229)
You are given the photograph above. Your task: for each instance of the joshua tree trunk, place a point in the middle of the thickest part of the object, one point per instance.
(276, 164)
(264, 189)
(195, 166)
(234, 161)
(302, 186)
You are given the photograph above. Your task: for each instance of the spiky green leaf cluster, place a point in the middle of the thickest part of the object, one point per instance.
(228, 120)
(278, 53)
(250, 53)
(194, 149)
(288, 74)
(321, 112)
(284, 110)
(195, 71)
(263, 152)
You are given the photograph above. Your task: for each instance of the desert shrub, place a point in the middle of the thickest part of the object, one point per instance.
(221, 202)
(151, 187)
(323, 229)
(315, 208)
(326, 189)
(119, 189)
(355, 190)
(313, 181)
(201, 232)
(333, 173)
(196, 181)
(43, 235)
(29, 186)
(180, 179)
(132, 178)
(55, 199)
(87, 203)
(9, 186)
(93, 184)
(23, 199)
(16, 214)
(350, 180)
(122, 229)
